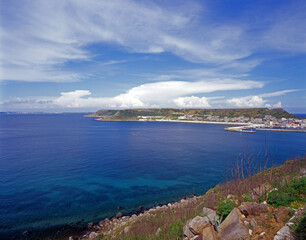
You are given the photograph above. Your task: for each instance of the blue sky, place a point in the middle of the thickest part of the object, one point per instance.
(87, 55)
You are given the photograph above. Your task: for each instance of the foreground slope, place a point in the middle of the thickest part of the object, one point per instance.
(268, 205)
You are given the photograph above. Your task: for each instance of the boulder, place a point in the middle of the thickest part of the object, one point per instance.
(93, 235)
(209, 233)
(140, 209)
(26, 233)
(253, 224)
(281, 214)
(208, 212)
(232, 228)
(253, 209)
(90, 225)
(284, 234)
(186, 231)
(197, 224)
(119, 215)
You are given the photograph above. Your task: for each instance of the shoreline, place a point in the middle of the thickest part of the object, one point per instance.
(82, 229)
(240, 126)
(205, 122)
(107, 226)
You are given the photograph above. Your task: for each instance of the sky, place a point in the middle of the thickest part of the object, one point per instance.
(85, 55)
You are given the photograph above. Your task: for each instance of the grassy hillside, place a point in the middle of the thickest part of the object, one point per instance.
(132, 114)
(284, 187)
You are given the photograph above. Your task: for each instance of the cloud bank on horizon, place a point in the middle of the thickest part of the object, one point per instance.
(129, 54)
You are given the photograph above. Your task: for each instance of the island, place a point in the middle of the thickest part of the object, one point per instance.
(247, 119)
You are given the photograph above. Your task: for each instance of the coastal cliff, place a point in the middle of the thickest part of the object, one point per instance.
(267, 205)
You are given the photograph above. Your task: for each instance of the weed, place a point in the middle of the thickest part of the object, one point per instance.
(217, 222)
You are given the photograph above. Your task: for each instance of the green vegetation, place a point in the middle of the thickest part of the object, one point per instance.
(289, 193)
(225, 207)
(172, 113)
(299, 229)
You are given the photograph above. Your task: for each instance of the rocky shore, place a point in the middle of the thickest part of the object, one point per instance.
(121, 224)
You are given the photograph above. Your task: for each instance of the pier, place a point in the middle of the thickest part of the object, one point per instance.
(244, 129)
(259, 127)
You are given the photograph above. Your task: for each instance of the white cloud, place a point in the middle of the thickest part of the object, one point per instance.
(258, 101)
(277, 105)
(162, 94)
(192, 102)
(250, 101)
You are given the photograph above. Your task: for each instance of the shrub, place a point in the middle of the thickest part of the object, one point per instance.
(296, 204)
(296, 186)
(225, 208)
(279, 199)
(300, 230)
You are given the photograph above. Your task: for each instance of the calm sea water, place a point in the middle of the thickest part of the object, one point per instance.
(60, 168)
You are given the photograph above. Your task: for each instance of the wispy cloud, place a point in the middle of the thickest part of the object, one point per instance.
(279, 93)
(42, 36)
(286, 31)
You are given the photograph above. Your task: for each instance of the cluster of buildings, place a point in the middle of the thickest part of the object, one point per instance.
(268, 121)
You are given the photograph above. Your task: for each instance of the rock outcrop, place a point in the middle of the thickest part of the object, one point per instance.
(233, 228)
(250, 220)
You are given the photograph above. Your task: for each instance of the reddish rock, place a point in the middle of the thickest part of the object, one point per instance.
(102, 223)
(209, 233)
(253, 209)
(281, 214)
(119, 215)
(197, 224)
(208, 212)
(186, 231)
(232, 228)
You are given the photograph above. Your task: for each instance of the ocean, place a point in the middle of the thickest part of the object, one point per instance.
(57, 169)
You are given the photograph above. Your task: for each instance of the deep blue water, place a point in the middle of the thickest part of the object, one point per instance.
(59, 168)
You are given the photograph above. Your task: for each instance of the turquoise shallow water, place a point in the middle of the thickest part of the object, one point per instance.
(61, 168)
